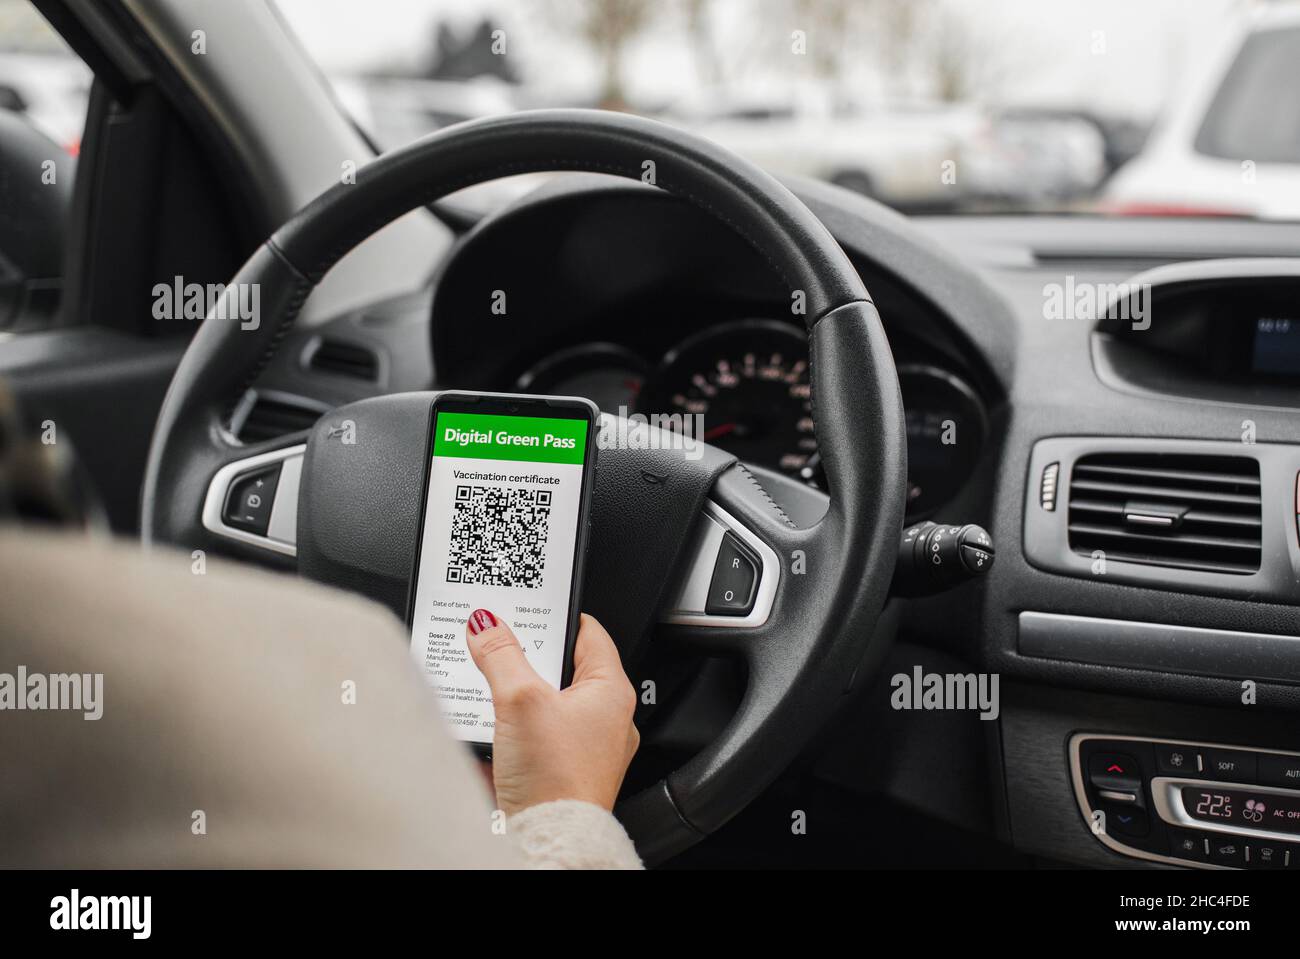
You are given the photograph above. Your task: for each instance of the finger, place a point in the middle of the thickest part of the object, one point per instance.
(594, 653)
(497, 654)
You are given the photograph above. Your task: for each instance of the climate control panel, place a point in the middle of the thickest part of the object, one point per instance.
(1189, 803)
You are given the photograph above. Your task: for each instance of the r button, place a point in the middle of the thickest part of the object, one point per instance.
(735, 580)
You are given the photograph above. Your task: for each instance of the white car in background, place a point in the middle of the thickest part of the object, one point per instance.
(1232, 146)
(917, 156)
(1027, 158)
(896, 154)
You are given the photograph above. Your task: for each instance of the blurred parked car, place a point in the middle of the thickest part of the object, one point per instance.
(896, 154)
(1033, 157)
(1232, 146)
(1122, 137)
(900, 153)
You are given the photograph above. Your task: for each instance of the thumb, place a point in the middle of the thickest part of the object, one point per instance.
(594, 654)
(497, 654)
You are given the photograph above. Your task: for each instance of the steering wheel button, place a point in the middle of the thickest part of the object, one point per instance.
(249, 501)
(735, 579)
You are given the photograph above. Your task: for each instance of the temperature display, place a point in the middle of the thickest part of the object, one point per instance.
(1243, 808)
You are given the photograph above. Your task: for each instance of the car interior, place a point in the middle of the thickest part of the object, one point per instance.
(1016, 492)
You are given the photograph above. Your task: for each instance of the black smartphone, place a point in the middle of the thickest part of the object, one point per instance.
(503, 527)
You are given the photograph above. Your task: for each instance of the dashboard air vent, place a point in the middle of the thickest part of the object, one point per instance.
(267, 417)
(344, 359)
(1168, 509)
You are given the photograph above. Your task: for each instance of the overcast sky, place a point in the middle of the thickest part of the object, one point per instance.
(1041, 51)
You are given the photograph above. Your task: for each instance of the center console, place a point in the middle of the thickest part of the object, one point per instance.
(1212, 805)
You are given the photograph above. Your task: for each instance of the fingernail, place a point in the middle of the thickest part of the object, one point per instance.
(480, 620)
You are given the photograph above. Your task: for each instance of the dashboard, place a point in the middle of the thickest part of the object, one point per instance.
(712, 352)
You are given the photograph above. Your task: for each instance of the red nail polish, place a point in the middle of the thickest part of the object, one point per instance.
(480, 620)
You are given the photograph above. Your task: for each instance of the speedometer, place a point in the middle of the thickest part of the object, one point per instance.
(748, 383)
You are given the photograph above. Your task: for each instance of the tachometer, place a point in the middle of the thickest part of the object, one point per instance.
(605, 373)
(748, 383)
(946, 428)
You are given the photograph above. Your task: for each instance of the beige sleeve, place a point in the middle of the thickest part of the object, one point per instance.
(569, 834)
(248, 719)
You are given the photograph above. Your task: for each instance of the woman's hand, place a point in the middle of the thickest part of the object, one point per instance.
(551, 744)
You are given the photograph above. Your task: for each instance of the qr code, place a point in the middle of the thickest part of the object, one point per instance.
(498, 536)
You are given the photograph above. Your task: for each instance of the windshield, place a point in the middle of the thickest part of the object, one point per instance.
(942, 106)
(948, 106)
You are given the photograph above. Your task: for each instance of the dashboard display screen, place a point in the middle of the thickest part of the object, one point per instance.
(1243, 808)
(1277, 345)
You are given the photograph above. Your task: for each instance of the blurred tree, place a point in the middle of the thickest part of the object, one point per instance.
(708, 62)
(963, 60)
(607, 26)
(840, 30)
(828, 25)
(898, 27)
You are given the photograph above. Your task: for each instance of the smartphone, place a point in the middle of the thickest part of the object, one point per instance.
(504, 522)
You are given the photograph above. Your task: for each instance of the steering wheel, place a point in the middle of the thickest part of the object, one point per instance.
(659, 515)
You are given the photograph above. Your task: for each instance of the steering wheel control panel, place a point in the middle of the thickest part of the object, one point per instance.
(1189, 803)
(729, 575)
(255, 500)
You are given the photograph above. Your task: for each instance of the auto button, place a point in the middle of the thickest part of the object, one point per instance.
(1279, 771)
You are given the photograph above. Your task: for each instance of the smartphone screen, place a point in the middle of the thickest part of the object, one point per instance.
(503, 530)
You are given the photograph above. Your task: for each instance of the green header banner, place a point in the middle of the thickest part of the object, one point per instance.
(525, 439)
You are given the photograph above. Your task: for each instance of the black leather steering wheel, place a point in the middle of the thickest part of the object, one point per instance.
(358, 505)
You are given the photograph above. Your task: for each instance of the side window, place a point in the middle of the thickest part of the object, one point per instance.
(44, 93)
